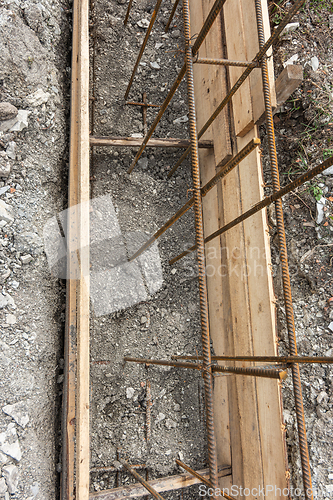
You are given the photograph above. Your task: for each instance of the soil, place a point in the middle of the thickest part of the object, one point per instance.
(35, 54)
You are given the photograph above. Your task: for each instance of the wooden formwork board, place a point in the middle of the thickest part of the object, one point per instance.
(241, 300)
(75, 470)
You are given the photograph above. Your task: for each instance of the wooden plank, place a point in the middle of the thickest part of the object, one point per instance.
(83, 365)
(207, 97)
(262, 317)
(152, 143)
(168, 483)
(75, 478)
(287, 82)
(236, 50)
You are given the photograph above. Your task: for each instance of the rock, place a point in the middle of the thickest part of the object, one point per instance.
(10, 473)
(175, 34)
(11, 150)
(37, 98)
(3, 486)
(158, 45)
(26, 259)
(289, 28)
(330, 326)
(3, 458)
(176, 407)
(143, 163)
(19, 412)
(291, 60)
(10, 319)
(143, 23)
(314, 63)
(4, 167)
(170, 424)
(322, 398)
(29, 242)
(4, 189)
(33, 16)
(181, 119)
(143, 320)
(9, 443)
(154, 65)
(6, 300)
(320, 210)
(160, 417)
(328, 171)
(7, 111)
(21, 121)
(129, 392)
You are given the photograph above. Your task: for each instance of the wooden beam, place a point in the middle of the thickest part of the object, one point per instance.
(152, 143)
(288, 81)
(168, 483)
(75, 476)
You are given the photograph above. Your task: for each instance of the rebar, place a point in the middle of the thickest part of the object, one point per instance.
(204, 190)
(284, 264)
(253, 371)
(262, 204)
(147, 105)
(268, 359)
(226, 62)
(175, 5)
(199, 233)
(143, 46)
(215, 10)
(272, 39)
(148, 411)
(128, 11)
(113, 468)
(144, 483)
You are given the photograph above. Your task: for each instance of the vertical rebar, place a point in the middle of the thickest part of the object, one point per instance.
(214, 12)
(207, 374)
(128, 11)
(284, 264)
(143, 46)
(175, 5)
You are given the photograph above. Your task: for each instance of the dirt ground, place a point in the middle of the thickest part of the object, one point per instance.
(165, 320)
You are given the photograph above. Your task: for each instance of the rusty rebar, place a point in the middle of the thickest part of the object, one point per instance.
(199, 233)
(215, 10)
(272, 39)
(204, 190)
(268, 359)
(172, 13)
(143, 46)
(226, 62)
(144, 483)
(144, 112)
(252, 371)
(193, 472)
(128, 11)
(262, 204)
(284, 263)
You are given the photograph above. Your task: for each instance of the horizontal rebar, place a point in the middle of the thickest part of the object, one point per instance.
(168, 142)
(268, 359)
(204, 190)
(272, 39)
(215, 10)
(226, 62)
(264, 372)
(262, 204)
